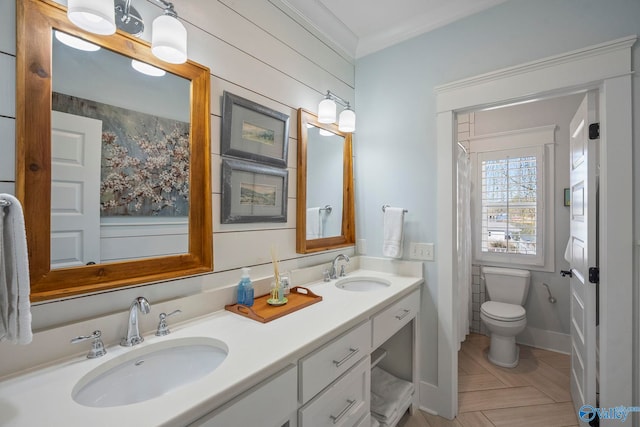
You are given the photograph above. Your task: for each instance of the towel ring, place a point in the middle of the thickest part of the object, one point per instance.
(4, 203)
(384, 208)
(327, 208)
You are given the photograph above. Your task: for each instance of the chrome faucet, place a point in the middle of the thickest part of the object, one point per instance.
(334, 266)
(133, 332)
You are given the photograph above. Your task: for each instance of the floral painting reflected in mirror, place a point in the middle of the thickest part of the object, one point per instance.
(144, 168)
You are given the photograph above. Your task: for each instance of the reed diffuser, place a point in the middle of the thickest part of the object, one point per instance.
(277, 293)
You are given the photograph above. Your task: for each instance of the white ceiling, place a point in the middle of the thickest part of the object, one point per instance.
(361, 27)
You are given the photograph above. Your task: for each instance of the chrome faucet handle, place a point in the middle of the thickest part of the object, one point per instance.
(343, 273)
(97, 347)
(163, 329)
(326, 275)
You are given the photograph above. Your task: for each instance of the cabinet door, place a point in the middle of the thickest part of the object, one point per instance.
(272, 403)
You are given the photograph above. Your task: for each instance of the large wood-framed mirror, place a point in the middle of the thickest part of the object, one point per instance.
(146, 200)
(325, 210)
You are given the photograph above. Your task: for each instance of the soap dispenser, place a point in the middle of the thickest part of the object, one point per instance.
(245, 289)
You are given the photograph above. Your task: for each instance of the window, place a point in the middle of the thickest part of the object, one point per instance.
(512, 186)
(509, 201)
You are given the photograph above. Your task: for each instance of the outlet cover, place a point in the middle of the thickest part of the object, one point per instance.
(422, 251)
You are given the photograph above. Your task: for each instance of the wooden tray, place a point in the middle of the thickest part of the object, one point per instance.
(299, 297)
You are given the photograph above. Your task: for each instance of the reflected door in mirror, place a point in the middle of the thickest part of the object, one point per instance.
(75, 190)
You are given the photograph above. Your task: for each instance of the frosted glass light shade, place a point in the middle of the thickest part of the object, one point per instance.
(327, 111)
(149, 70)
(95, 16)
(347, 122)
(76, 42)
(169, 39)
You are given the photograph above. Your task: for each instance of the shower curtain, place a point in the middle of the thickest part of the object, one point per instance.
(464, 244)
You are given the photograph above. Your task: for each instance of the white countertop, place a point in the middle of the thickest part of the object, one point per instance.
(256, 351)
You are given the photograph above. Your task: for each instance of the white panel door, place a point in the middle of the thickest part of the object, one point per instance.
(583, 243)
(75, 190)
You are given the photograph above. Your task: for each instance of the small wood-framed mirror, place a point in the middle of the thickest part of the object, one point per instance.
(176, 194)
(325, 210)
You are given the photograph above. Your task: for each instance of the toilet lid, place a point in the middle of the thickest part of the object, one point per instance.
(503, 311)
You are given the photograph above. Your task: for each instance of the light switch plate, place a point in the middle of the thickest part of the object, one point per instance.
(422, 251)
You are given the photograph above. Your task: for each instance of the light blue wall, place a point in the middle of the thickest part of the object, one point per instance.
(395, 144)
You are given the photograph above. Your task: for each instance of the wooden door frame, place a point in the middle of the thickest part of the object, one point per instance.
(608, 68)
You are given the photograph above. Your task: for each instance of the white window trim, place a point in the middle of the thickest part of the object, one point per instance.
(544, 138)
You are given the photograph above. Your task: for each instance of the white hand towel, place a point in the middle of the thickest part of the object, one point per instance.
(374, 422)
(15, 307)
(388, 387)
(393, 232)
(314, 224)
(383, 410)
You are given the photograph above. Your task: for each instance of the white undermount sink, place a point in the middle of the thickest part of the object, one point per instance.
(148, 372)
(362, 284)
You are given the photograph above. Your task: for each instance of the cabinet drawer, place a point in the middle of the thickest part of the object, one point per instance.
(271, 403)
(395, 317)
(323, 366)
(344, 403)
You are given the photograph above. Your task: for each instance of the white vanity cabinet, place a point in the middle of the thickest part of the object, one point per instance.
(335, 379)
(272, 403)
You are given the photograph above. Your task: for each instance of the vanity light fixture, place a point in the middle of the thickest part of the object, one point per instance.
(327, 112)
(168, 35)
(95, 16)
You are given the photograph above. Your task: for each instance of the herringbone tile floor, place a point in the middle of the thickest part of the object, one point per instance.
(535, 393)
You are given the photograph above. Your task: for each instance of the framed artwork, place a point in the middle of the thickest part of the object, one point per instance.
(253, 132)
(252, 192)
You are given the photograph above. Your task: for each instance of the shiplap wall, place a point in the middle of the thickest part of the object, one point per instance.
(255, 50)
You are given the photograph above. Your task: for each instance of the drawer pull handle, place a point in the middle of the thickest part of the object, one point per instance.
(404, 314)
(337, 418)
(352, 352)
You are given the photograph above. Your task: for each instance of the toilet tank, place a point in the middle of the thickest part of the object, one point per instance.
(508, 285)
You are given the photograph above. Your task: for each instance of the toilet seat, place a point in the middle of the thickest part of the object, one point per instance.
(503, 311)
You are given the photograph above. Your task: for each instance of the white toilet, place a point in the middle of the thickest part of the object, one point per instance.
(504, 315)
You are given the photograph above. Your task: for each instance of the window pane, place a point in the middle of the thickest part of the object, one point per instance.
(509, 205)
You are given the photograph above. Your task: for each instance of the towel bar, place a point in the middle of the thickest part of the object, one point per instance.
(384, 207)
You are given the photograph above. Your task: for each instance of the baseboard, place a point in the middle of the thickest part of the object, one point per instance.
(547, 340)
